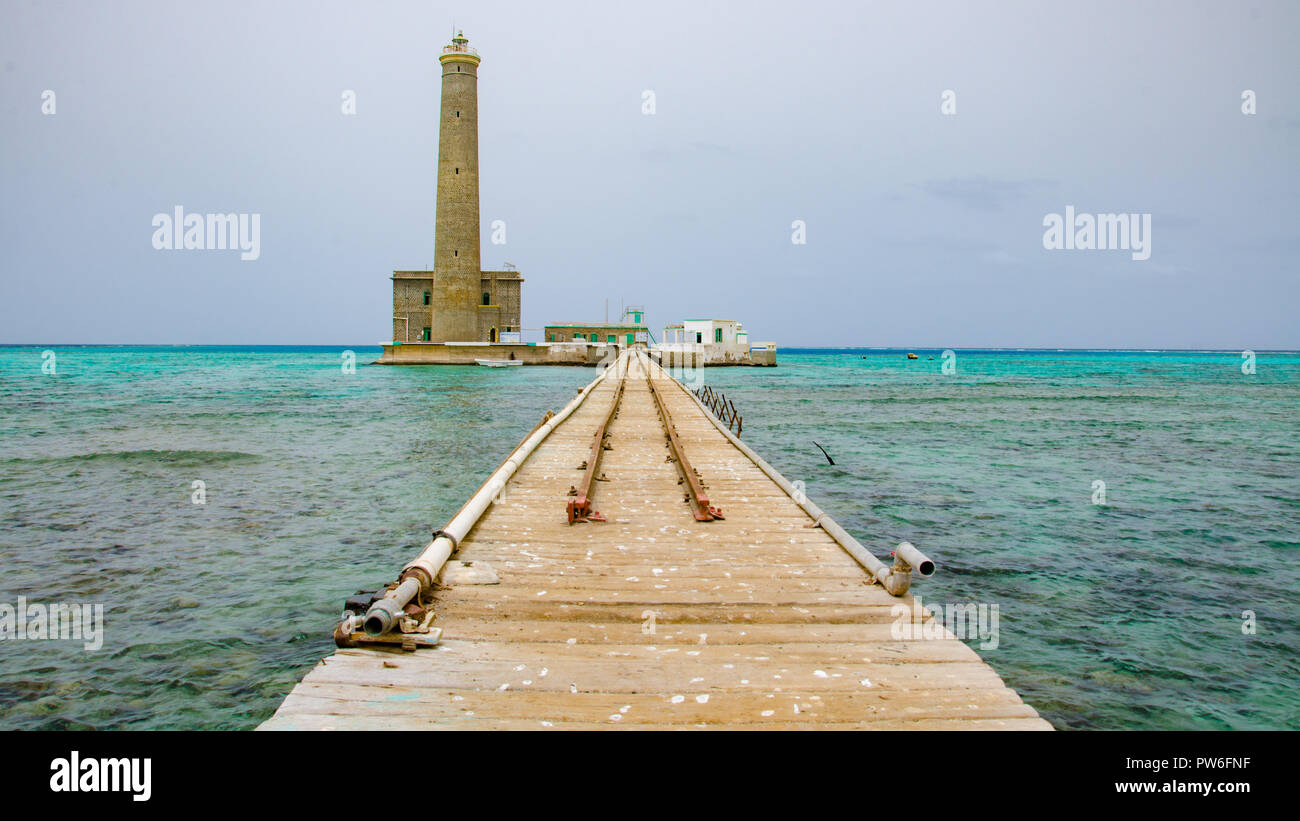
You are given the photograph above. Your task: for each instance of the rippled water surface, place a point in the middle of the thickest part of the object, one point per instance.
(1123, 615)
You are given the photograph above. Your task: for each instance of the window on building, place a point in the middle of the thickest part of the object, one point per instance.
(455, 253)
(717, 334)
(611, 339)
(427, 296)
(629, 339)
(427, 335)
(487, 298)
(552, 337)
(492, 335)
(699, 337)
(595, 337)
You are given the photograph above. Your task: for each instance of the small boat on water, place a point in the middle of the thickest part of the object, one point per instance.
(499, 363)
(912, 356)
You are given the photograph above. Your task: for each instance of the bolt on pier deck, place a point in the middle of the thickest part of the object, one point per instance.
(653, 619)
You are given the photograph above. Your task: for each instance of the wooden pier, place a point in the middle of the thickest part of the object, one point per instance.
(652, 619)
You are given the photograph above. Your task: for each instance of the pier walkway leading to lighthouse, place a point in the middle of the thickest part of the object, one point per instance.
(653, 619)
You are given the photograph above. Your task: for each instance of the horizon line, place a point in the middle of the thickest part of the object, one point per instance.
(343, 346)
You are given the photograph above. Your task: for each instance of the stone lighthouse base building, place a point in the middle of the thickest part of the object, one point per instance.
(415, 301)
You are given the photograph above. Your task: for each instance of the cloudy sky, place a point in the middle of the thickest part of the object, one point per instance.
(923, 229)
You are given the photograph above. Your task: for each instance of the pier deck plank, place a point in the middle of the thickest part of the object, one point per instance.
(653, 620)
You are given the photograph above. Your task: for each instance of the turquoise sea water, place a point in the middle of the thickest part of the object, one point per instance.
(1123, 615)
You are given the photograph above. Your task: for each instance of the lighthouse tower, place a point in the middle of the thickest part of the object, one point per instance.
(456, 268)
(456, 301)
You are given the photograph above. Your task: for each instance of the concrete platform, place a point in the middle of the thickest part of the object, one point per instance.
(457, 353)
(544, 353)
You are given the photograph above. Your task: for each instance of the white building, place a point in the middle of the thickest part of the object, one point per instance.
(706, 341)
(708, 331)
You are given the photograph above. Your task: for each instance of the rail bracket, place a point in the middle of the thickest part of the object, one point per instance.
(579, 510)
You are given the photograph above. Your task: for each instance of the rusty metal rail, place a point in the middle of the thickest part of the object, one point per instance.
(704, 512)
(579, 507)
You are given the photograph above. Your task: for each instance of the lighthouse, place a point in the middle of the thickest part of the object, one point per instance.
(457, 301)
(456, 237)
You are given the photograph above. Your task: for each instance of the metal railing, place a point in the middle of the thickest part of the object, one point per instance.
(721, 407)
